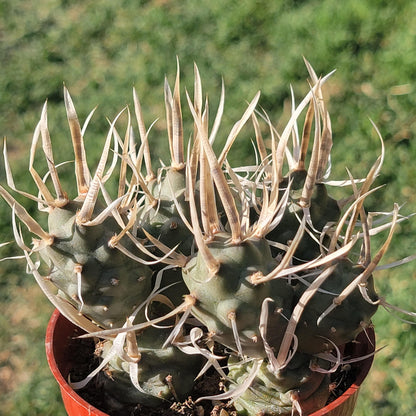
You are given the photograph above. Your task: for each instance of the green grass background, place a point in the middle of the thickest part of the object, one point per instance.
(101, 48)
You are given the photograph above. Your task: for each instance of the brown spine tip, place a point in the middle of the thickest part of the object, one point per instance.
(81, 168)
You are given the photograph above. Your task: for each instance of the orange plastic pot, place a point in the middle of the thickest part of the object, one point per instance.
(60, 330)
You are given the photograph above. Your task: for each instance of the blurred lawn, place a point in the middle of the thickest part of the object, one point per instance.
(101, 48)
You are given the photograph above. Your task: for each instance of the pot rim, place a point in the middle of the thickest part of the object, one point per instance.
(66, 389)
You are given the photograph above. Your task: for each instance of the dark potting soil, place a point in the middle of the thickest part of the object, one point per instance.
(84, 359)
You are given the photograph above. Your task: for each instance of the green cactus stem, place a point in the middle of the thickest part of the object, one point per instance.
(228, 304)
(164, 373)
(272, 393)
(99, 280)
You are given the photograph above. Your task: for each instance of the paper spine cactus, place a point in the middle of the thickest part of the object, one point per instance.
(258, 260)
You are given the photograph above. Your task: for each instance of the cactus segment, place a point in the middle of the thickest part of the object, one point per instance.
(103, 283)
(229, 295)
(163, 373)
(342, 324)
(323, 212)
(165, 220)
(273, 393)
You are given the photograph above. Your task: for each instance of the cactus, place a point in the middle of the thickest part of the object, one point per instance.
(257, 266)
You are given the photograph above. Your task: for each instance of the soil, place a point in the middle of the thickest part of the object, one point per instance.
(82, 353)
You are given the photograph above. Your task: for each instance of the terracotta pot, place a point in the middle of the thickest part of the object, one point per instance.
(60, 330)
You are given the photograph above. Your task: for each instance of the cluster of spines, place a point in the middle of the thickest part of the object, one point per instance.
(224, 230)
